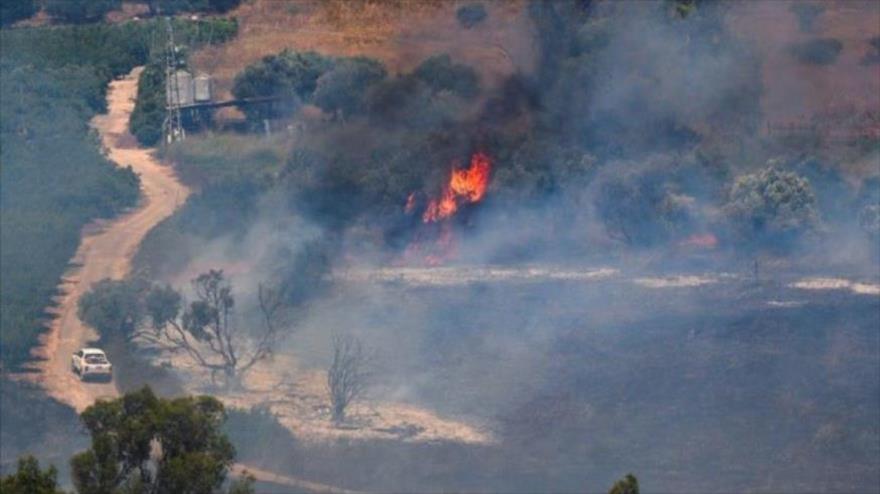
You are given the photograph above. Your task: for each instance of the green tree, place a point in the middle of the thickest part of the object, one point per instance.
(341, 90)
(772, 205)
(292, 75)
(29, 479)
(441, 74)
(627, 485)
(148, 115)
(114, 307)
(142, 443)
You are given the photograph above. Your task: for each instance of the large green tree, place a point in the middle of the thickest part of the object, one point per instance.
(341, 90)
(142, 443)
(772, 205)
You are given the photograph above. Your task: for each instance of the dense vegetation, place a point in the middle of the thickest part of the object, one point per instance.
(125, 435)
(52, 81)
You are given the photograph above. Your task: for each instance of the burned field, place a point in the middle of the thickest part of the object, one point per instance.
(578, 382)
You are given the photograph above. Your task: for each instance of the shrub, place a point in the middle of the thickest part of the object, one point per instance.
(439, 73)
(292, 75)
(148, 115)
(772, 206)
(471, 14)
(342, 89)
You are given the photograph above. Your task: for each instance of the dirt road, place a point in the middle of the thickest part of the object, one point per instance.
(106, 251)
(107, 247)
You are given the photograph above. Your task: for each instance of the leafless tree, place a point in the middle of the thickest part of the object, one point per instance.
(347, 377)
(206, 330)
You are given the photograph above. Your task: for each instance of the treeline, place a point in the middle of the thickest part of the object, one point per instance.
(55, 179)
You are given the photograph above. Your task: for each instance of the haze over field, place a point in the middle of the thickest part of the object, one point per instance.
(490, 246)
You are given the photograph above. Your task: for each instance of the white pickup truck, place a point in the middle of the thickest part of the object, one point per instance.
(91, 362)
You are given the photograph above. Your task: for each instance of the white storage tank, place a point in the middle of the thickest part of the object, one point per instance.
(180, 93)
(202, 88)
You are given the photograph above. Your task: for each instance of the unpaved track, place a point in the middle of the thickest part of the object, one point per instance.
(107, 249)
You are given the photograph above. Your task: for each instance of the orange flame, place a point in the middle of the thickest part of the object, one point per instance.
(465, 186)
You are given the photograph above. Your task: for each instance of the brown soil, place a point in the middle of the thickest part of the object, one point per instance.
(793, 89)
(400, 33)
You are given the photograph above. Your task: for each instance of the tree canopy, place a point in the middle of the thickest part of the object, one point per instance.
(143, 443)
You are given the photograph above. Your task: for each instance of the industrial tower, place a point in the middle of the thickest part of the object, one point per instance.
(173, 125)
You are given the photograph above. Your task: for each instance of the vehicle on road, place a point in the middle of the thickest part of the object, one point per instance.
(91, 363)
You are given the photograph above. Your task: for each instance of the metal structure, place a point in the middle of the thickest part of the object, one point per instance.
(173, 127)
(202, 88)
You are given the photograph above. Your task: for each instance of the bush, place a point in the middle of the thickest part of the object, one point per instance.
(292, 75)
(341, 90)
(148, 115)
(641, 209)
(772, 206)
(471, 14)
(439, 73)
(820, 51)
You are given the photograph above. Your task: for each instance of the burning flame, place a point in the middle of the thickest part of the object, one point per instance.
(466, 186)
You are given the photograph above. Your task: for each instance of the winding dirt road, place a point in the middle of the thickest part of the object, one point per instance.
(107, 248)
(106, 251)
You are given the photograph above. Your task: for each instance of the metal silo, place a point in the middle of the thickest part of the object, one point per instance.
(202, 88)
(179, 89)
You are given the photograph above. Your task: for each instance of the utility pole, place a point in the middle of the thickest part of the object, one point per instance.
(173, 124)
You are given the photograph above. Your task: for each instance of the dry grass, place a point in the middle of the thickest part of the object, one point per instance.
(400, 33)
(298, 397)
(793, 89)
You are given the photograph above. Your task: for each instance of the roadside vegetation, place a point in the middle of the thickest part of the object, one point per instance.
(54, 175)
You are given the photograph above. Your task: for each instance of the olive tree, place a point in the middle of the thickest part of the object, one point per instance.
(341, 90)
(771, 206)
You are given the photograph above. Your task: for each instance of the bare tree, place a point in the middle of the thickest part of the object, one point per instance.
(347, 377)
(206, 330)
